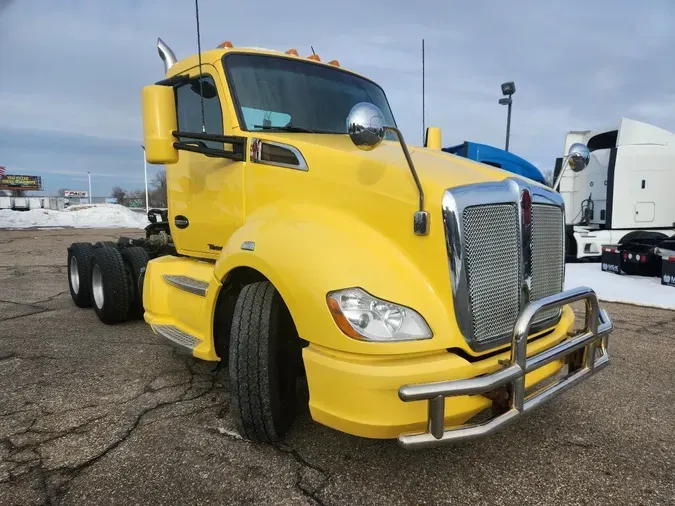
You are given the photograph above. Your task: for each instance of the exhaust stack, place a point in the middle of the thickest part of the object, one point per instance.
(166, 55)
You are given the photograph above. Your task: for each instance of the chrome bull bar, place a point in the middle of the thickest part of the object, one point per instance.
(594, 338)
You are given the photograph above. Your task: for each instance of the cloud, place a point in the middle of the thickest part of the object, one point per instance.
(72, 71)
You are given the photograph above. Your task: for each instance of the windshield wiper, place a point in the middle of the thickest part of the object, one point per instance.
(287, 128)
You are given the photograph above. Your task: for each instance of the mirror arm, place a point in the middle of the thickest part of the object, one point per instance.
(413, 171)
(566, 159)
(212, 152)
(227, 139)
(238, 143)
(421, 217)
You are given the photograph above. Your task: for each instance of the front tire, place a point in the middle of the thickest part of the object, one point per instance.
(109, 286)
(262, 364)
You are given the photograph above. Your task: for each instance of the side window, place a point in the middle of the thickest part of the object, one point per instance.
(189, 109)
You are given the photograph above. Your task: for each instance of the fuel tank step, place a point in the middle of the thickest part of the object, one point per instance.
(178, 337)
(187, 284)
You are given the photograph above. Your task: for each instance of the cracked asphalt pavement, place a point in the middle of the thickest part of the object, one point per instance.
(97, 414)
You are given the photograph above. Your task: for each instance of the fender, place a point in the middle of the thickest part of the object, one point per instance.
(308, 250)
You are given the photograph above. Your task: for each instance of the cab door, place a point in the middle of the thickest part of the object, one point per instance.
(205, 193)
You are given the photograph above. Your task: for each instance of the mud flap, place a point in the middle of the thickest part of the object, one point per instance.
(611, 260)
(668, 271)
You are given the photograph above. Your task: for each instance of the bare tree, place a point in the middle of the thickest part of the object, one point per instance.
(158, 195)
(118, 193)
(548, 176)
(61, 192)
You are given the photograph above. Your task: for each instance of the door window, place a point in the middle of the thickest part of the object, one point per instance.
(189, 109)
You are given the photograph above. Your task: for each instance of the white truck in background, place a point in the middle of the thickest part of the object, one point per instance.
(626, 192)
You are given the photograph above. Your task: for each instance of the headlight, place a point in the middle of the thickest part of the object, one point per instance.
(362, 316)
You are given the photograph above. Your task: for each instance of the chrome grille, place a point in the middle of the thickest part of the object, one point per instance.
(489, 267)
(547, 256)
(492, 267)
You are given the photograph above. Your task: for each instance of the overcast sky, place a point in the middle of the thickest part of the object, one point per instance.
(71, 71)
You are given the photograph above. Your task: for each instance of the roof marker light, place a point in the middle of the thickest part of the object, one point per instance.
(292, 51)
(227, 44)
(334, 62)
(314, 57)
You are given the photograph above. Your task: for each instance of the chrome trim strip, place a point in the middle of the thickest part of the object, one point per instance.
(187, 284)
(594, 338)
(256, 153)
(525, 247)
(454, 202)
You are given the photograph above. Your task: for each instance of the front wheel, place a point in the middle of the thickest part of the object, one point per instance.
(263, 358)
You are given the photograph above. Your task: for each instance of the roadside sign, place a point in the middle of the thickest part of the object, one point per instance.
(20, 182)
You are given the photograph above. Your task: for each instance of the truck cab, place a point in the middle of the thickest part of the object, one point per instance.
(413, 290)
(496, 157)
(625, 189)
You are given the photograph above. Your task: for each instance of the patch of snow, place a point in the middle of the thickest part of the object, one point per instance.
(80, 216)
(610, 287)
(229, 432)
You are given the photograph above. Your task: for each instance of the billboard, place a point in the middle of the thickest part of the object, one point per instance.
(20, 182)
(75, 193)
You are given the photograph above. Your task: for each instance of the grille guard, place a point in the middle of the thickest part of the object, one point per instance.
(594, 338)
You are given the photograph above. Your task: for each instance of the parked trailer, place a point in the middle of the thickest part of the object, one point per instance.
(304, 241)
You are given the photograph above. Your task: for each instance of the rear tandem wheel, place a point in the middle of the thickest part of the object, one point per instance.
(79, 267)
(135, 260)
(110, 285)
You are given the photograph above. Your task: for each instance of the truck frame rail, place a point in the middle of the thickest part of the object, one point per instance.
(594, 338)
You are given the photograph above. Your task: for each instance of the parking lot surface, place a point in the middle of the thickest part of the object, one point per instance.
(97, 414)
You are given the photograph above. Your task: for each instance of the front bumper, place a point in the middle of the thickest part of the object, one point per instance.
(585, 353)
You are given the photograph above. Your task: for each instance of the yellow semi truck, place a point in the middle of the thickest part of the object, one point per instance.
(419, 294)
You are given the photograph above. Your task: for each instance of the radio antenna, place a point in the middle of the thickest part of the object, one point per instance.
(199, 55)
(312, 48)
(424, 129)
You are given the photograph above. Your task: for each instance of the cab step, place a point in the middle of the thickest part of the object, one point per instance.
(187, 284)
(178, 337)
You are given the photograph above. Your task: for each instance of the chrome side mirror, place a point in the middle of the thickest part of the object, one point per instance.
(366, 126)
(578, 157)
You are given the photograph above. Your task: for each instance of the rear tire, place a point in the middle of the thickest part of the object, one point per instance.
(262, 372)
(79, 267)
(135, 259)
(637, 235)
(109, 286)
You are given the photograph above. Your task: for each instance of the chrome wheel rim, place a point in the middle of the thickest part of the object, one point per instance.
(74, 275)
(97, 286)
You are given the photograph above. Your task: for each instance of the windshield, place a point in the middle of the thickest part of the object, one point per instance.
(293, 95)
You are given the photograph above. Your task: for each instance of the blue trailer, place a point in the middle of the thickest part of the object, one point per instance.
(496, 157)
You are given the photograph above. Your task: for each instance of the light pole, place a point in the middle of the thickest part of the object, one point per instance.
(90, 195)
(508, 89)
(145, 173)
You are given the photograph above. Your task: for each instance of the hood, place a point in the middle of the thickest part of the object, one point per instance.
(436, 169)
